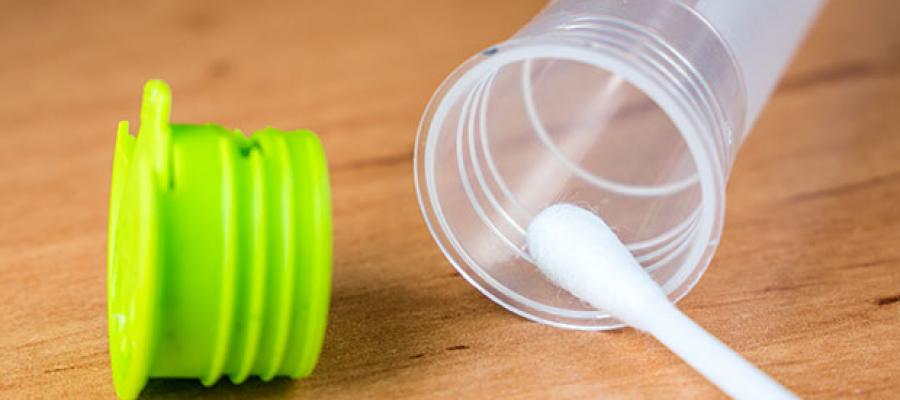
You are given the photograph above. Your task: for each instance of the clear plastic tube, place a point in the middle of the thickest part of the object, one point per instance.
(634, 109)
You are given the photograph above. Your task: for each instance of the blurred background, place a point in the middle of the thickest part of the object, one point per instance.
(812, 223)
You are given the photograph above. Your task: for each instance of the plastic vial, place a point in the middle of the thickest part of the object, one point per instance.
(634, 109)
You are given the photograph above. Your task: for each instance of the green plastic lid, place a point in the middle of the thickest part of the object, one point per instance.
(219, 251)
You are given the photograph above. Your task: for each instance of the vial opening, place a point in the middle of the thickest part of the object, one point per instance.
(506, 138)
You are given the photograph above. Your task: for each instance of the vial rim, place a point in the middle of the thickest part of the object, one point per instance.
(550, 46)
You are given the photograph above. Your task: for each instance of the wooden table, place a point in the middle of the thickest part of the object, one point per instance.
(806, 282)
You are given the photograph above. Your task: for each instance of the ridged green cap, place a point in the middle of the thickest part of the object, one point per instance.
(219, 251)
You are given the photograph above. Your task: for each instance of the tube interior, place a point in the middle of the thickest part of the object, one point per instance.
(539, 131)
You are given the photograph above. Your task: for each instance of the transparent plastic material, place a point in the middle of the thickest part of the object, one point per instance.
(632, 109)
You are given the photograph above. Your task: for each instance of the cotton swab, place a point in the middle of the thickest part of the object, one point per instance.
(578, 252)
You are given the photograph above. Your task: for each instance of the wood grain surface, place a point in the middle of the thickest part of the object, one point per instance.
(806, 282)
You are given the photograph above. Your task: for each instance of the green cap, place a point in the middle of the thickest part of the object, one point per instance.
(219, 251)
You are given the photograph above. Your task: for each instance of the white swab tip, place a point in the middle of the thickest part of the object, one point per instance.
(577, 251)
